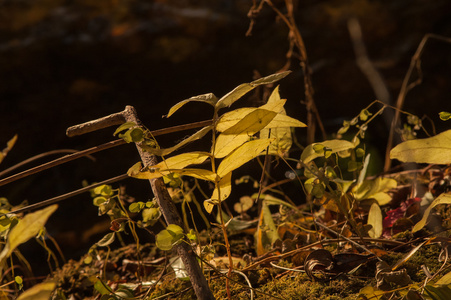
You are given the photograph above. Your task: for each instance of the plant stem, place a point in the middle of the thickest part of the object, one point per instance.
(223, 226)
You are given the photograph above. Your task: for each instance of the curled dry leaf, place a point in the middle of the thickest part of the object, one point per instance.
(318, 260)
(387, 279)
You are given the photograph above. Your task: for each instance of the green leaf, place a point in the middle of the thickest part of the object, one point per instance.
(163, 152)
(364, 114)
(137, 135)
(335, 146)
(370, 292)
(445, 279)
(375, 220)
(438, 292)
(107, 240)
(433, 150)
(168, 237)
(97, 201)
(104, 190)
(241, 90)
(41, 291)
(19, 281)
(136, 207)
(151, 214)
(27, 228)
(445, 116)
(442, 199)
(207, 98)
(242, 155)
(102, 288)
(124, 126)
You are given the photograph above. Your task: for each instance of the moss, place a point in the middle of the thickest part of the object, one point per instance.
(173, 289)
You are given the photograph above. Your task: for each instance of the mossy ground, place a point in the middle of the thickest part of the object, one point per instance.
(76, 279)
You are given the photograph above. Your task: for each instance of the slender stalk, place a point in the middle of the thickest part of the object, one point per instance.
(79, 129)
(223, 226)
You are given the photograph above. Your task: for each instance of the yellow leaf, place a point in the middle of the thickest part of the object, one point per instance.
(252, 122)
(162, 152)
(198, 173)
(41, 291)
(442, 199)
(224, 188)
(375, 189)
(281, 120)
(226, 143)
(445, 279)
(244, 88)
(266, 233)
(207, 98)
(28, 227)
(280, 126)
(209, 205)
(9, 146)
(231, 118)
(192, 172)
(274, 102)
(242, 155)
(176, 162)
(282, 142)
(433, 150)
(375, 220)
(310, 154)
(182, 160)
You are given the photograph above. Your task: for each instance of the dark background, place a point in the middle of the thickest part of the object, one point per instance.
(67, 62)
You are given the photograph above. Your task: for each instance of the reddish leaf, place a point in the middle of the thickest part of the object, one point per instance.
(405, 209)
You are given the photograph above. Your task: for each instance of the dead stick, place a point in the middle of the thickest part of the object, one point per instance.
(165, 202)
(66, 196)
(88, 127)
(60, 161)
